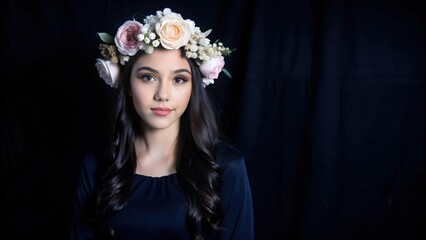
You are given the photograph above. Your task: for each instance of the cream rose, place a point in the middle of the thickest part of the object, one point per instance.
(108, 71)
(126, 38)
(211, 69)
(174, 32)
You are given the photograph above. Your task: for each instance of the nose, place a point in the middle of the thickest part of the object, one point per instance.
(162, 92)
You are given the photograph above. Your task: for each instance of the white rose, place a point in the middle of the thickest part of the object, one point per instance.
(108, 71)
(174, 32)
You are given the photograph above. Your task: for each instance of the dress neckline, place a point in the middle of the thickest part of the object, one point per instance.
(155, 177)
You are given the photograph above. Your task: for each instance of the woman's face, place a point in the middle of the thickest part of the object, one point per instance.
(161, 85)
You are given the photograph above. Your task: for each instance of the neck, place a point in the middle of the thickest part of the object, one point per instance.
(156, 151)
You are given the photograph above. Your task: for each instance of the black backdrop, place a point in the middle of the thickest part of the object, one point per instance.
(327, 101)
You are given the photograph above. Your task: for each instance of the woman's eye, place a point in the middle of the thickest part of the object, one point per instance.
(148, 78)
(180, 80)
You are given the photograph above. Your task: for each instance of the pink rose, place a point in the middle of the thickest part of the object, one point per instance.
(211, 69)
(108, 71)
(126, 38)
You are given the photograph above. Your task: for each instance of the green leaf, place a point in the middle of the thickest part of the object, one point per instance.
(226, 72)
(105, 37)
(228, 52)
(206, 33)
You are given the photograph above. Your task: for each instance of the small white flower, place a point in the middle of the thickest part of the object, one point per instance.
(140, 37)
(149, 49)
(204, 41)
(193, 48)
(207, 81)
(210, 51)
(167, 11)
(155, 43)
(124, 59)
(145, 28)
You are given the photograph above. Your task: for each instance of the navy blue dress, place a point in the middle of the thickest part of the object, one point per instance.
(156, 208)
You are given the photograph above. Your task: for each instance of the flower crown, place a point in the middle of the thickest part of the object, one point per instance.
(169, 30)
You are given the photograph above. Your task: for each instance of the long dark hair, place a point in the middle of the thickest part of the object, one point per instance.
(197, 171)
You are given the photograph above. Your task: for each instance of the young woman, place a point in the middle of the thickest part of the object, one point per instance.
(167, 173)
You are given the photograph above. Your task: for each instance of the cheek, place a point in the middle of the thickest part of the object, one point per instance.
(139, 99)
(185, 96)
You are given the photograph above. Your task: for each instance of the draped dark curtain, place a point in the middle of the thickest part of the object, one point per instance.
(327, 100)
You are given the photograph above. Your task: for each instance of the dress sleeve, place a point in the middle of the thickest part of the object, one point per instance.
(236, 197)
(81, 226)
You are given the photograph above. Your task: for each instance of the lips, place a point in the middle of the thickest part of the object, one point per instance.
(161, 111)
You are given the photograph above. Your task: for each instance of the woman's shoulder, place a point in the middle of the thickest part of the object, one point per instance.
(90, 159)
(225, 150)
(90, 163)
(230, 158)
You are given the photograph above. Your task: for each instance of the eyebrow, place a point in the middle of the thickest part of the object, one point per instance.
(156, 72)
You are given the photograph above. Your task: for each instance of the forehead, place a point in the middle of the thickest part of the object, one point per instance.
(163, 60)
